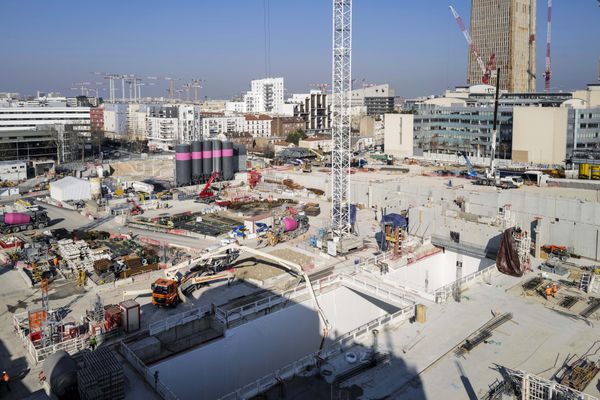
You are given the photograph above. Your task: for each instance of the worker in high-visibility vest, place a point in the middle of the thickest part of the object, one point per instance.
(6, 380)
(548, 292)
(554, 289)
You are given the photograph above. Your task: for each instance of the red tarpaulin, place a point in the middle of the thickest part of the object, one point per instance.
(507, 260)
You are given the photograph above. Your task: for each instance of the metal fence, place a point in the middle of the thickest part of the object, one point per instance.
(343, 342)
(160, 388)
(178, 319)
(442, 294)
(40, 353)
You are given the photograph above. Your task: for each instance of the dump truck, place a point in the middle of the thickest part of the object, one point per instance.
(14, 222)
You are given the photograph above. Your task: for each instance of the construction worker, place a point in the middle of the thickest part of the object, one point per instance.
(93, 342)
(6, 380)
(548, 292)
(554, 289)
(55, 262)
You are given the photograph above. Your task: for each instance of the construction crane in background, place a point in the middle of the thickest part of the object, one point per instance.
(548, 71)
(81, 86)
(171, 89)
(196, 84)
(323, 87)
(111, 83)
(341, 104)
(485, 69)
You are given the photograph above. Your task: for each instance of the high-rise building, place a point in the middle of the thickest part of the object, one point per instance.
(505, 28)
(265, 96)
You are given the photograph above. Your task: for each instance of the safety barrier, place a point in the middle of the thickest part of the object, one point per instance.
(343, 342)
(442, 294)
(178, 319)
(161, 389)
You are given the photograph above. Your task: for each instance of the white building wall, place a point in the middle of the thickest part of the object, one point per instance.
(398, 134)
(539, 135)
(212, 126)
(13, 171)
(27, 118)
(265, 95)
(235, 107)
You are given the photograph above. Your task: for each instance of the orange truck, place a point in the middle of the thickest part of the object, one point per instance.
(169, 292)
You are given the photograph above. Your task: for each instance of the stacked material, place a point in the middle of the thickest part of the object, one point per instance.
(102, 377)
(78, 255)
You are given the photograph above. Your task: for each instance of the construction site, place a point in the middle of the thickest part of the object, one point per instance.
(203, 276)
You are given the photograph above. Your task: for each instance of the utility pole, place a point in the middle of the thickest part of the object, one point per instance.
(341, 92)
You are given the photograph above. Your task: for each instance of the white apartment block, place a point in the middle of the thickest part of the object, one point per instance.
(162, 132)
(265, 96)
(189, 123)
(28, 118)
(237, 107)
(258, 125)
(213, 126)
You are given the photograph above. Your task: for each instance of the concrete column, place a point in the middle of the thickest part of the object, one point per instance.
(538, 238)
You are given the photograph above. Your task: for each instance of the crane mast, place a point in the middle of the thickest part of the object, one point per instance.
(548, 46)
(341, 93)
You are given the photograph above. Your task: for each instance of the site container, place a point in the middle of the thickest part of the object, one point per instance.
(584, 171)
(130, 315)
(595, 170)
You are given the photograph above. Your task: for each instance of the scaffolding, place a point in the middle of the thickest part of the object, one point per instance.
(527, 386)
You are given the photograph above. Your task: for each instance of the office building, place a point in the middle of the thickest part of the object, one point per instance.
(507, 29)
(373, 100)
(27, 118)
(462, 120)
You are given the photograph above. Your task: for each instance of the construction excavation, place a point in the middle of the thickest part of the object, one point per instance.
(213, 270)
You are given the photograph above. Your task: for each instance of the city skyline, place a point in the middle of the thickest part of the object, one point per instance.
(416, 48)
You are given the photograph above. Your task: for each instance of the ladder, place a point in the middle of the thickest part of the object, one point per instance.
(584, 282)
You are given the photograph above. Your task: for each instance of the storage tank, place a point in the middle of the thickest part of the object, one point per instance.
(61, 373)
(183, 165)
(227, 157)
(96, 188)
(584, 171)
(216, 154)
(197, 160)
(242, 158)
(207, 163)
(289, 224)
(16, 218)
(595, 169)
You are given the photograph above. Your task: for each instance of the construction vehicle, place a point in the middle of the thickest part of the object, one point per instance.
(135, 208)
(207, 195)
(238, 232)
(471, 173)
(287, 228)
(253, 179)
(306, 166)
(17, 222)
(183, 278)
(560, 252)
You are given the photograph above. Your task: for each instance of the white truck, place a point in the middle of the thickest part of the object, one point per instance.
(507, 182)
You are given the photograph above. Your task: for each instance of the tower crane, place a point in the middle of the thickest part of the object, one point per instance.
(548, 71)
(323, 87)
(486, 69)
(196, 84)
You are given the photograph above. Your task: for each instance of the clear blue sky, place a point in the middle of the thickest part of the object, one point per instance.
(414, 45)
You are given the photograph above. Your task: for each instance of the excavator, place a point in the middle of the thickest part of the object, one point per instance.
(183, 278)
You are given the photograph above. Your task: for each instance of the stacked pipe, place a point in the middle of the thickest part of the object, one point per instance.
(183, 165)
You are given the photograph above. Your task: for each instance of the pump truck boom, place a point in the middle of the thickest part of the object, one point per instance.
(185, 277)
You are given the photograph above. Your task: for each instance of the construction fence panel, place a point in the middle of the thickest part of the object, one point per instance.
(178, 319)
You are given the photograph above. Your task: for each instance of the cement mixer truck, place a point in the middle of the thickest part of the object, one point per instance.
(13, 222)
(287, 228)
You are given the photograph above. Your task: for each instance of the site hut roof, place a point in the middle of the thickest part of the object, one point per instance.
(70, 188)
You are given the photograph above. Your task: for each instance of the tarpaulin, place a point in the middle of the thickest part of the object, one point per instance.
(507, 260)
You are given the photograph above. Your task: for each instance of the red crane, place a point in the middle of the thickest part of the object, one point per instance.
(488, 70)
(207, 193)
(548, 71)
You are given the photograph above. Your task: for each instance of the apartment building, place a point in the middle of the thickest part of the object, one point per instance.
(315, 110)
(373, 100)
(213, 125)
(265, 96)
(258, 125)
